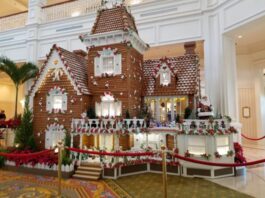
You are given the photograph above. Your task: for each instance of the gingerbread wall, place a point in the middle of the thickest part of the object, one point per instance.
(42, 118)
(126, 87)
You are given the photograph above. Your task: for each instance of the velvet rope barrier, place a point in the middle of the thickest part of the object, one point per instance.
(219, 164)
(254, 139)
(27, 155)
(115, 154)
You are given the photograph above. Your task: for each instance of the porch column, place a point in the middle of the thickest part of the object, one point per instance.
(72, 140)
(157, 109)
(80, 146)
(147, 141)
(172, 109)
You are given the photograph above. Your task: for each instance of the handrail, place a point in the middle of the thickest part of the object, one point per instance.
(10, 15)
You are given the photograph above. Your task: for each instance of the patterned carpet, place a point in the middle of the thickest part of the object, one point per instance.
(16, 185)
(150, 186)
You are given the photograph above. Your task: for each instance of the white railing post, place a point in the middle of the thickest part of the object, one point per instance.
(35, 11)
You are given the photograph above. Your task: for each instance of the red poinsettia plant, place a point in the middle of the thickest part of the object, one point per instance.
(11, 123)
(49, 159)
(239, 156)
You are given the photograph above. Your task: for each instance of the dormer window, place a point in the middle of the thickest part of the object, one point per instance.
(165, 75)
(108, 62)
(165, 78)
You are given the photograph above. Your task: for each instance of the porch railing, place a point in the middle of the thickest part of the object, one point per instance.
(13, 21)
(84, 125)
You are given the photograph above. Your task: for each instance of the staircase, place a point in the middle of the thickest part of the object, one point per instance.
(88, 171)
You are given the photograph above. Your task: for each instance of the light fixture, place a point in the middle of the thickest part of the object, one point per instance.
(75, 14)
(134, 2)
(22, 102)
(240, 36)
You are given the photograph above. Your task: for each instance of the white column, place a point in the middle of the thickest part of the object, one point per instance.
(230, 76)
(147, 141)
(157, 109)
(172, 109)
(72, 140)
(33, 21)
(220, 67)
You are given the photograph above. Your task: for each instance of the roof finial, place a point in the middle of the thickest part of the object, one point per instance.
(111, 3)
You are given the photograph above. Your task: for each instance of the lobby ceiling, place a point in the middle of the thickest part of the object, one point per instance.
(250, 37)
(9, 7)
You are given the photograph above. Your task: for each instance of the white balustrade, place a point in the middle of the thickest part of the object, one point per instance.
(206, 124)
(13, 21)
(70, 9)
(81, 125)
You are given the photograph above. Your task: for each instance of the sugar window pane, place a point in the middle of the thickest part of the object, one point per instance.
(108, 65)
(57, 102)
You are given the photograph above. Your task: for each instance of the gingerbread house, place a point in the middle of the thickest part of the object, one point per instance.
(59, 94)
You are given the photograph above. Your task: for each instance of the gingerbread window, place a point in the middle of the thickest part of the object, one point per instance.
(56, 100)
(108, 62)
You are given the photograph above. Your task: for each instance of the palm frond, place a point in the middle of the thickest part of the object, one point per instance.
(27, 71)
(10, 68)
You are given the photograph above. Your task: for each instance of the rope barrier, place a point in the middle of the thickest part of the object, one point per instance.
(25, 155)
(115, 154)
(254, 139)
(219, 164)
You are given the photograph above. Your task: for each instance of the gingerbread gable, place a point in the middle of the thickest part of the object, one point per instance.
(62, 61)
(113, 20)
(185, 68)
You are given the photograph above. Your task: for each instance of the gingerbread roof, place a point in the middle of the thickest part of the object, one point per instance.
(186, 69)
(117, 18)
(75, 67)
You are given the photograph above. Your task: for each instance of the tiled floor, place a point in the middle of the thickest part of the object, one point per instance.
(252, 181)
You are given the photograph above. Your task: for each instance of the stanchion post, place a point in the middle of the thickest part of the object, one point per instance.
(60, 155)
(164, 167)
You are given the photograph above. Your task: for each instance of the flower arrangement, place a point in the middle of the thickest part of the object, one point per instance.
(217, 155)
(230, 153)
(188, 154)
(206, 156)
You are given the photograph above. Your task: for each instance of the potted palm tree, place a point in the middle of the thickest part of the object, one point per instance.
(18, 75)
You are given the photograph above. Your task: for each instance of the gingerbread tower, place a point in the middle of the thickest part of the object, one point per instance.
(115, 63)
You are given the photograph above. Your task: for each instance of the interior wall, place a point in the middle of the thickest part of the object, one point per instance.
(251, 93)
(7, 99)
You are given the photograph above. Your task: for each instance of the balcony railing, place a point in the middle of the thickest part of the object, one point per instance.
(57, 12)
(13, 21)
(106, 125)
(69, 9)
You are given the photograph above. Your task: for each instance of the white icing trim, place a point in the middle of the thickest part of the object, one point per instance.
(50, 65)
(114, 37)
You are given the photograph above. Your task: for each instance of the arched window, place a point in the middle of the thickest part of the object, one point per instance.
(165, 78)
(165, 75)
(108, 107)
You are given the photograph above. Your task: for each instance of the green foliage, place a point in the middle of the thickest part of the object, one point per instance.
(24, 133)
(127, 114)
(91, 114)
(2, 159)
(66, 160)
(18, 75)
(187, 113)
